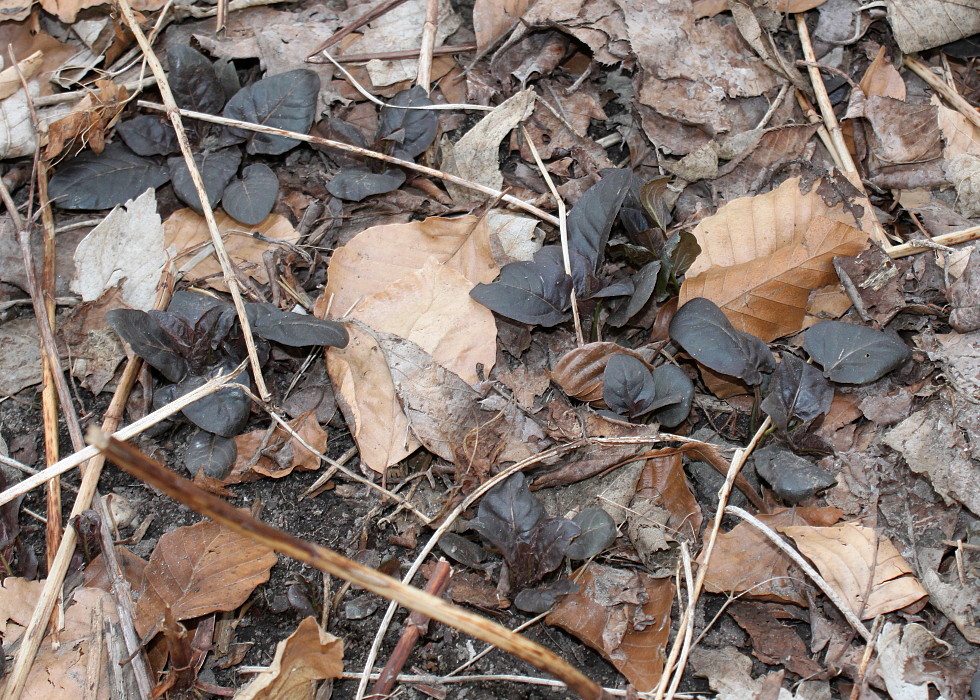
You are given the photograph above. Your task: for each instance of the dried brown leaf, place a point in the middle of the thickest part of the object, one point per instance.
(88, 121)
(492, 18)
(865, 568)
(663, 480)
(579, 371)
(281, 453)
(624, 615)
(773, 642)
(902, 132)
(198, 570)
(882, 78)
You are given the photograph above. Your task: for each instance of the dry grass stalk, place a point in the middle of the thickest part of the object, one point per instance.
(428, 43)
(959, 103)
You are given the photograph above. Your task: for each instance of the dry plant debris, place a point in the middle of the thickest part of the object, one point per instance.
(557, 287)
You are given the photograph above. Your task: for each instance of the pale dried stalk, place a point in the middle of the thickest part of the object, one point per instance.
(126, 433)
(822, 132)
(798, 559)
(912, 247)
(227, 269)
(949, 94)
(689, 612)
(836, 136)
(428, 43)
(562, 231)
(339, 145)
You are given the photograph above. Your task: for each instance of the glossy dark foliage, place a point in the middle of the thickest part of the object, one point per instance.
(357, 182)
(644, 283)
(250, 199)
(225, 412)
(103, 180)
(798, 395)
(148, 135)
(679, 252)
(597, 531)
(213, 454)
(543, 598)
(411, 131)
(706, 334)
(217, 170)
(462, 550)
(537, 292)
(193, 80)
(675, 393)
(512, 519)
(652, 196)
(632, 391)
(294, 330)
(852, 354)
(149, 341)
(592, 217)
(284, 101)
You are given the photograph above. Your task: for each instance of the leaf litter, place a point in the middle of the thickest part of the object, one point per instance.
(727, 265)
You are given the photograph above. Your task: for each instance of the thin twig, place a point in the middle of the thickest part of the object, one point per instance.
(814, 118)
(949, 94)
(227, 268)
(403, 55)
(798, 559)
(947, 239)
(688, 629)
(339, 145)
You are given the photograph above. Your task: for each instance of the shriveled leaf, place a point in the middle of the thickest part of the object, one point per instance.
(356, 182)
(597, 531)
(507, 512)
(705, 333)
(412, 130)
(579, 371)
(864, 567)
(225, 412)
(104, 180)
(198, 570)
(285, 101)
(211, 453)
(538, 293)
(148, 136)
(798, 391)
(541, 550)
(627, 386)
(852, 354)
(251, 198)
(193, 80)
(292, 329)
(148, 340)
(652, 196)
(281, 453)
(217, 169)
(674, 393)
(593, 216)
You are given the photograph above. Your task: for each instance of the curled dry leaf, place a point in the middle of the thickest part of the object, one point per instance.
(309, 654)
(623, 615)
(198, 570)
(865, 568)
(579, 371)
(279, 454)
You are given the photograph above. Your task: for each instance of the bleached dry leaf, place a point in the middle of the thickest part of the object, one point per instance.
(964, 172)
(882, 78)
(309, 654)
(198, 570)
(912, 660)
(12, 77)
(492, 18)
(512, 237)
(18, 598)
(20, 360)
(768, 296)
(88, 120)
(187, 232)
(923, 24)
(902, 132)
(866, 569)
(104, 258)
(475, 156)
(959, 133)
(597, 24)
(729, 672)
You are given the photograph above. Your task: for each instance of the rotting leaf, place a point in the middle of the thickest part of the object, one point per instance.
(197, 570)
(210, 453)
(538, 292)
(193, 81)
(217, 168)
(251, 198)
(284, 101)
(628, 387)
(852, 354)
(148, 340)
(705, 333)
(410, 130)
(597, 532)
(104, 180)
(674, 393)
(356, 182)
(148, 136)
(797, 391)
(292, 329)
(592, 217)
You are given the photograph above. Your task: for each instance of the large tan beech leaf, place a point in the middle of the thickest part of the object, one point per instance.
(767, 295)
(865, 568)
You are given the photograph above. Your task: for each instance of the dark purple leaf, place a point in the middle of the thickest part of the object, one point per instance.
(193, 80)
(217, 169)
(536, 292)
(627, 386)
(678, 254)
(284, 101)
(295, 330)
(706, 334)
(412, 130)
(462, 550)
(597, 531)
(251, 198)
(507, 511)
(543, 598)
(674, 392)
(225, 412)
(644, 282)
(797, 391)
(214, 454)
(356, 182)
(593, 216)
(653, 196)
(148, 136)
(148, 340)
(541, 550)
(852, 354)
(104, 180)
(191, 306)
(792, 478)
